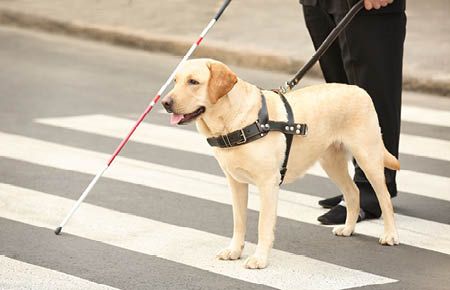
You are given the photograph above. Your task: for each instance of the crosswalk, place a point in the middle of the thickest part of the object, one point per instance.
(196, 247)
(292, 205)
(162, 211)
(179, 244)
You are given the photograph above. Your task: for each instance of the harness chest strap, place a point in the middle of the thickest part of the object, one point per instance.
(260, 128)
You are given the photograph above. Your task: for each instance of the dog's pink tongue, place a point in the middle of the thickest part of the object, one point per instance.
(175, 119)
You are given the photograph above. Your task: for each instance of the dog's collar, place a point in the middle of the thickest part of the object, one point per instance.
(260, 128)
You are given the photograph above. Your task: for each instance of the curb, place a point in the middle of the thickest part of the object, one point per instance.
(241, 56)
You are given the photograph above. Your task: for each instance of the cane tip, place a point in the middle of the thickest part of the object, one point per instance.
(58, 230)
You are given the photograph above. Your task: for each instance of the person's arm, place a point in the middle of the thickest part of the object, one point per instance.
(376, 4)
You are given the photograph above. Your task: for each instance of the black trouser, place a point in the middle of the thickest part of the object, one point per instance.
(369, 54)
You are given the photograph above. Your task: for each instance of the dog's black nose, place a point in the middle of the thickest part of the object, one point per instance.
(167, 103)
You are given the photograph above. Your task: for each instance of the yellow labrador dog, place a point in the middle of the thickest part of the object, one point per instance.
(341, 120)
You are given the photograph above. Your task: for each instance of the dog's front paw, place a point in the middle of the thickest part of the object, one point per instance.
(256, 262)
(389, 238)
(229, 254)
(344, 231)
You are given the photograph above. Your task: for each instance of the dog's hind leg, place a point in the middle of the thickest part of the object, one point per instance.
(334, 162)
(239, 200)
(369, 153)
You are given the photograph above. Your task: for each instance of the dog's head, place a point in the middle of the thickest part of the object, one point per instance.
(199, 85)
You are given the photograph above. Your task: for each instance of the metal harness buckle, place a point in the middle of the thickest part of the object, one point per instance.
(226, 140)
(305, 130)
(285, 88)
(242, 135)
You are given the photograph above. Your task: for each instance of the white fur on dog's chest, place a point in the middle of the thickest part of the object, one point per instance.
(254, 161)
(241, 175)
(236, 164)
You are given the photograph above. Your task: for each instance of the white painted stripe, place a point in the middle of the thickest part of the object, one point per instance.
(408, 181)
(426, 116)
(424, 146)
(179, 244)
(292, 205)
(19, 275)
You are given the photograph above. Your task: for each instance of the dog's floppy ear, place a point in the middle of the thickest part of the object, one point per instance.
(221, 81)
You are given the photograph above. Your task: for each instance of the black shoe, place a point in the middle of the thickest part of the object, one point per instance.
(336, 216)
(330, 202)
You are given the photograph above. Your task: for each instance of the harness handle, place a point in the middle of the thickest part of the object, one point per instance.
(289, 85)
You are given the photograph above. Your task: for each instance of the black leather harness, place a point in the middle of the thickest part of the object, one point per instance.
(260, 128)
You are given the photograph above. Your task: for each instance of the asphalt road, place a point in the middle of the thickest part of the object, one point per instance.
(158, 217)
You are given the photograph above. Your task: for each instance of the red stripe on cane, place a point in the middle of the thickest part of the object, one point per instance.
(139, 121)
(199, 40)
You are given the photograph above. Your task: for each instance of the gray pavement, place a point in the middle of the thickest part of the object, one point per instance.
(48, 76)
(252, 33)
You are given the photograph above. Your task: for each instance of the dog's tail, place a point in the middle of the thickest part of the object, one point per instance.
(390, 161)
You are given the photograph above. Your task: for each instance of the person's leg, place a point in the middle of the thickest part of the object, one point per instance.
(320, 24)
(372, 53)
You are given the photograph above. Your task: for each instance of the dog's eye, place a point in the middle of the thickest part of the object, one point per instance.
(193, 82)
